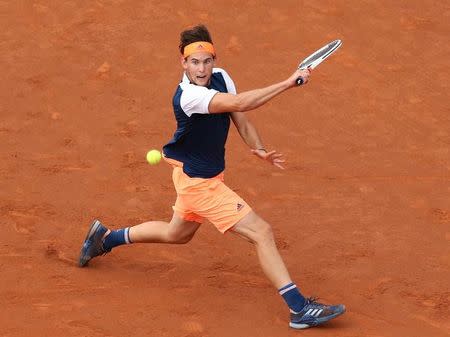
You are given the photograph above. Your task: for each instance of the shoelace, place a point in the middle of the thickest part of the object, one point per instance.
(101, 249)
(313, 300)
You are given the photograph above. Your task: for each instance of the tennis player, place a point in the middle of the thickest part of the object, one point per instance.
(204, 103)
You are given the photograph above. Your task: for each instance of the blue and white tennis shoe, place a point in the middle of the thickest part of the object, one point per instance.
(93, 244)
(315, 313)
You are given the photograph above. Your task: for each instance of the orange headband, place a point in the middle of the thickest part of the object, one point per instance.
(196, 47)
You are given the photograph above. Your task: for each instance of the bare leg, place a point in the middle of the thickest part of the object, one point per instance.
(259, 232)
(177, 231)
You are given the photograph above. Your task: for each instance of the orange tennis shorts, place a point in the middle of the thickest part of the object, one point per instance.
(199, 199)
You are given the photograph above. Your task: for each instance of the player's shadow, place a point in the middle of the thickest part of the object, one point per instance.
(337, 324)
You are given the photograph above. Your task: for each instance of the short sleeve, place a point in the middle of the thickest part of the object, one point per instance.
(195, 99)
(231, 88)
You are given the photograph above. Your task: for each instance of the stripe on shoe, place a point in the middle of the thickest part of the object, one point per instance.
(314, 312)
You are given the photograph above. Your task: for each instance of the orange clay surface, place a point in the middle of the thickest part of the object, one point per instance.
(361, 214)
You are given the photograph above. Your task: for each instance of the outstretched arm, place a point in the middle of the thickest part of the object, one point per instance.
(250, 135)
(252, 99)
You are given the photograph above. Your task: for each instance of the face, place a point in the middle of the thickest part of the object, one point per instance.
(198, 67)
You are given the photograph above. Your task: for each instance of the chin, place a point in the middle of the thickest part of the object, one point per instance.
(202, 83)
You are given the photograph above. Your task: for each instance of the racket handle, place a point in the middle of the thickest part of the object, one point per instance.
(300, 81)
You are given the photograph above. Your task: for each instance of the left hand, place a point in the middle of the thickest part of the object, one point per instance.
(273, 157)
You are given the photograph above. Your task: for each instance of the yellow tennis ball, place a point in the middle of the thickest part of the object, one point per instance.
(153, 157)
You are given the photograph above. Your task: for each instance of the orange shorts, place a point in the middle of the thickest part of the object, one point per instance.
(199, 199)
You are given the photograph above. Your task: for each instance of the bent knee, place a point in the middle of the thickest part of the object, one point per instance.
(264, 231)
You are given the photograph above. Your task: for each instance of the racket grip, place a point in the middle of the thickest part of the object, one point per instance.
(300, 81)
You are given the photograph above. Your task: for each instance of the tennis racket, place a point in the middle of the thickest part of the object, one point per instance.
(318, 57)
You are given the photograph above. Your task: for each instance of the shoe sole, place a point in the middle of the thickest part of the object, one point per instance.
(319, 321)
(82, 261)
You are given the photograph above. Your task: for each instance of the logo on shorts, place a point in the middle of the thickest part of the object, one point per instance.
(239, 206)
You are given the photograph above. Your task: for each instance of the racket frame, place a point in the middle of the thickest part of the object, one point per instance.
(311, 65)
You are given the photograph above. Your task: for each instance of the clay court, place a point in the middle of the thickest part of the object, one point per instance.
(361, 213)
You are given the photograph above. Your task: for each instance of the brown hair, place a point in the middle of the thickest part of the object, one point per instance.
(194, 34)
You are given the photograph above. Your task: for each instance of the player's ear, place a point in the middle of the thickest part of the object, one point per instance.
(183, 62)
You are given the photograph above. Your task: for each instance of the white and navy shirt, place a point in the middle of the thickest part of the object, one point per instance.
(199, 141)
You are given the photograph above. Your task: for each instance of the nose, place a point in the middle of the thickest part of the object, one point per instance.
(201, 67)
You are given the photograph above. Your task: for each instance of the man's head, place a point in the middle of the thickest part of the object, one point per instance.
(198, 54)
